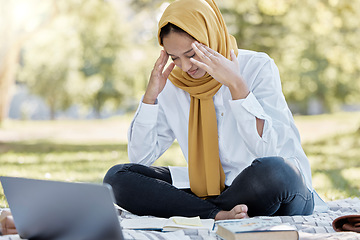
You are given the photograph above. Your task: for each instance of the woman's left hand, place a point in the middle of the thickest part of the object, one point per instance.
(7, 224)
(225, 71)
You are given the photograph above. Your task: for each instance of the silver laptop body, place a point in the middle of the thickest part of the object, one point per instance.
(62, 210)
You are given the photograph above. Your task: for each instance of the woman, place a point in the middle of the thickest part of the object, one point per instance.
(226, 109)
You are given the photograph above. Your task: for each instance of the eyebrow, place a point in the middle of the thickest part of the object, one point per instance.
(183, 53)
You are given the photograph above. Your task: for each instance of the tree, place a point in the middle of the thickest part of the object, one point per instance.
(313, 43)
(102, 38)
(50, 68)
(14, 32)
(76, 62)
(108, 49)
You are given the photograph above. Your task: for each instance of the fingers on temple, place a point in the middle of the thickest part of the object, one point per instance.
(169, 69)
(165, 57)
(210, 50)
(162, 60)
(201, 51)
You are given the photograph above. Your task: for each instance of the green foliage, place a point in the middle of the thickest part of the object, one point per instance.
(76, 61)
(45, 71)
(312, 42)
(146, 4)
(98, 54)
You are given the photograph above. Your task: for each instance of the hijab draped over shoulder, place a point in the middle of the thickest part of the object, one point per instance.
(203, 21)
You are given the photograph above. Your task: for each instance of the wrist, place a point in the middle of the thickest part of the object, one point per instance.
(148, 100)
(238, 89)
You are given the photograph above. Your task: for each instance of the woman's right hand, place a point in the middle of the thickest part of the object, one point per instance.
(158, 78)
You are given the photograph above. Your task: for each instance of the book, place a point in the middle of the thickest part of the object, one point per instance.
(167, 224)
(261, 228)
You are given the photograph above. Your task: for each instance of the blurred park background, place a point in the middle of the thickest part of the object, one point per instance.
(72, 73)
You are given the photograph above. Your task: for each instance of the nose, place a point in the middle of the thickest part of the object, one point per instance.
(186, 64)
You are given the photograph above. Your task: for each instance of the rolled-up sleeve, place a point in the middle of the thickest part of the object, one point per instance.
(246, 111)
(148, 136)
(267, 102)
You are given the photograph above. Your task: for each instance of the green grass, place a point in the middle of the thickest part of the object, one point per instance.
(332, 144)
(84, 150)
(335, 165)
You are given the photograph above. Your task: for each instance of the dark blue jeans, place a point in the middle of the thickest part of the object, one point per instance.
(269, 186)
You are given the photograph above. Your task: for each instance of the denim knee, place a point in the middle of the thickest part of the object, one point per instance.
(268, 162)
(114, 172)
(277, 171)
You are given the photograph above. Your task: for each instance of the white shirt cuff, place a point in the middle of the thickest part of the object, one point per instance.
(247, 108)
(147, 113)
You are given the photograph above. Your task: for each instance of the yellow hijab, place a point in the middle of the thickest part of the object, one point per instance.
(202, 20)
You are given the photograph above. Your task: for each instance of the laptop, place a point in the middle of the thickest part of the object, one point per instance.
(54, 210)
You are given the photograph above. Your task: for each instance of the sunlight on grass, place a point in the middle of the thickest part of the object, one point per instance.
(172, 157)
(335, 165)
(86, 162)
(323, 184)
(318, 127)
(34, 158)
(352, 175)
(59, 161)
(334, 158)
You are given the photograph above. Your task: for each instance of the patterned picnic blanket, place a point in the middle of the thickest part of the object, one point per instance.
(313, 227)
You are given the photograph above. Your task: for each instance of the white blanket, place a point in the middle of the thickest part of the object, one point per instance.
(313, 227)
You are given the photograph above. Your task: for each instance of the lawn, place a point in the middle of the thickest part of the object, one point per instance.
(84, 150)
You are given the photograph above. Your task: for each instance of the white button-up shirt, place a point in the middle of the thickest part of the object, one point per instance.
(155, 127)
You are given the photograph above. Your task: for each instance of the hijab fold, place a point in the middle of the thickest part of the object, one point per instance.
(203, 21)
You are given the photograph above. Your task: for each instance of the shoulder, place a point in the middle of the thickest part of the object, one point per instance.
(251, 61)
(243, 53)
(252, 56)
(258, 69)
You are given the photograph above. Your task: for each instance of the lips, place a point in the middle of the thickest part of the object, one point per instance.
(192, 72)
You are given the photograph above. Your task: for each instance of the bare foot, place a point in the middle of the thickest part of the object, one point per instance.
(238, 212)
